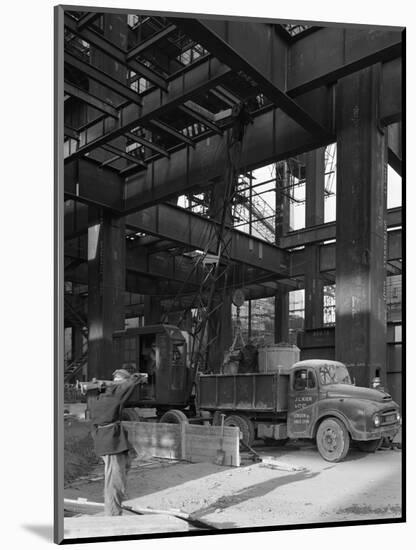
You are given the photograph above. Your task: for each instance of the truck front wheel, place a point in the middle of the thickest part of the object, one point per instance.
(333, 440)
(244, 424)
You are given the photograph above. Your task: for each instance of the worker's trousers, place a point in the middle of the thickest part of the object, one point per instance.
(116, 467)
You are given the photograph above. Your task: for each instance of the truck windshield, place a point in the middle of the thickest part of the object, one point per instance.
(334, 374)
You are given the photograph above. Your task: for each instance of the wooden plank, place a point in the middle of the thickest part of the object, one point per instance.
(83, 506)
(110, 526)
(153, 439)
(209, 430)
(186, 442)
(172, 512)
(203, 442)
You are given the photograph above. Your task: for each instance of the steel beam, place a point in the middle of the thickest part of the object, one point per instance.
(327, 231)
(102, 78)
(85, 182)
(184, 227)
(272, 136)
(177, 269)
(183, 293)
(394, 136)
(90, 100)
(71, 133)
(183, 271)
(124, 155)
(248, 48)
(87, 19)
(345, 52)
(171, 131)
(110, 160)
(391, 97)
(164, 33)
(173, 222)
(149, 144)
(200, 118)
(328, 260)
(96, 40)
(331, 53)
(394, 217)
(155, 103)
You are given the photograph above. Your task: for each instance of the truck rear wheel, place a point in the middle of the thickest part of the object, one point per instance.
(368, 446)
(174, 417)
(244, 424)
(333, 440)
(130, 414)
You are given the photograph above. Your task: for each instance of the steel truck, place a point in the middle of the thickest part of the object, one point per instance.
(311, 399)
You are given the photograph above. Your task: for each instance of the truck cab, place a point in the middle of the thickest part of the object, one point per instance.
(324, 404)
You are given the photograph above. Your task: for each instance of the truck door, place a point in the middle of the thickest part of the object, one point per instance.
(303, 397)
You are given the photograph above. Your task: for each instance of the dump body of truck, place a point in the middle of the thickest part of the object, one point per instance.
(252, 392)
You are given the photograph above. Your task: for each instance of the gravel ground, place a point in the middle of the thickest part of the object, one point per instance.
(363, 487)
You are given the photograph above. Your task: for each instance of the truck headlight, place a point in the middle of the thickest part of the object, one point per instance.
(376, 420)
(398, 416)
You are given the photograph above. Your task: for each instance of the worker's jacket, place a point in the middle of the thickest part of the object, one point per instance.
(108, 433)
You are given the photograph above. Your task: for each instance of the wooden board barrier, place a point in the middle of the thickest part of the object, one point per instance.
(184, 441)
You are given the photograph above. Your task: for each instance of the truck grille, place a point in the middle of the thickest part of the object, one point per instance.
(389, 417)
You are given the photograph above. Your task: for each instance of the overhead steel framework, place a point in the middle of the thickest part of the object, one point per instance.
(150, 103)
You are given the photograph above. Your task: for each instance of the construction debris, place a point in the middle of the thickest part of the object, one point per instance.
(270, 462)
(82, 506)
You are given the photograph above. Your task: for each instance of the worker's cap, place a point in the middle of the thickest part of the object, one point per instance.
(121, 373)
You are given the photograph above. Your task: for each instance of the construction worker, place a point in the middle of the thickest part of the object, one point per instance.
(110, 438)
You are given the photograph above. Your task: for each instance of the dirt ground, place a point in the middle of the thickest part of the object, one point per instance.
(79, 456)
(364, 486)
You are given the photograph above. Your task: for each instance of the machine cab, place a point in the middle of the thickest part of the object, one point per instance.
(161, 352)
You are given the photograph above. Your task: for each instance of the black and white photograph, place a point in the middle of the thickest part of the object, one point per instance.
(229, 302)
(206, 274)
(206, 245)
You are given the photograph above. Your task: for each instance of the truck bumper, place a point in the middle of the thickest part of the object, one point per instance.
(377, 433)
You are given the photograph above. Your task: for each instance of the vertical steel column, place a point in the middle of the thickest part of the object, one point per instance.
(106, 240)
(281, 323)
(360, 334)
(220, 322)
(106, 286)
(315, 186)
